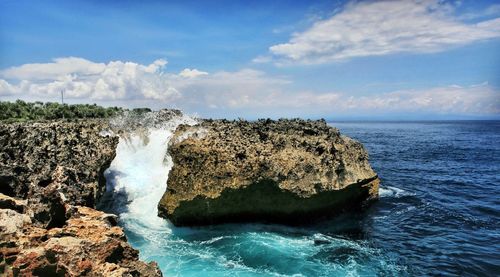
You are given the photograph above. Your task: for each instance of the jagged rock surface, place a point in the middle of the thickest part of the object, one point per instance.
(287, 171)
(88, 244)
(70, 155)
(55, 172)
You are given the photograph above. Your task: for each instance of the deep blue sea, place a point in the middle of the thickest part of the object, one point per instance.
(438, 212)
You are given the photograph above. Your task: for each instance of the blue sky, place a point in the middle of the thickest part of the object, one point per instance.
(335, 59)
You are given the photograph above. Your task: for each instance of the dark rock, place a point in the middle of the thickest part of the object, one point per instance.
(8, 186)
(73, 155)
(47, 208)
(321, 242)
(7, 202)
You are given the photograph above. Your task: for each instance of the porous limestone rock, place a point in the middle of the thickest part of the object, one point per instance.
(285, 171)
(51, 178)
(88, 244)
(71, 156)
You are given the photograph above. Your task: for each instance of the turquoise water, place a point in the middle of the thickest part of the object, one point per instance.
(438, 212)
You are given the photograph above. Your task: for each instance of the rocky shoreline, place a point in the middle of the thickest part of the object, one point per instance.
(285, 171)
(51, 178)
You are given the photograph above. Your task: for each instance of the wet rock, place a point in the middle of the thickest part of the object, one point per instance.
(286, 171)
(321, 242)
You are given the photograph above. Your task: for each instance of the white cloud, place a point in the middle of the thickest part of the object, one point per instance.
(81, 78)
(192, 73)
(128, 81)
(239, 89)
(262, 59)
(454, 99)
(246, 92)
(59, 68)
(383, 27)
(258, 94)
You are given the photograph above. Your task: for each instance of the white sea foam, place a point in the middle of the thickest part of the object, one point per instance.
(393, 192)
(140, 169)
(137, 179)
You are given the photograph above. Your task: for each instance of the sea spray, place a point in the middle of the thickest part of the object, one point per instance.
(137, 179)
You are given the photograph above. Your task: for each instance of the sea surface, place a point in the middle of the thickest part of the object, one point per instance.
(438, 212)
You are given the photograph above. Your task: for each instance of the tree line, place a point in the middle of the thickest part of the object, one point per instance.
(24, 111)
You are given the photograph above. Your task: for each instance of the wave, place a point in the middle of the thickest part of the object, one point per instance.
(387, 191)
(136, 181)
(137, 177)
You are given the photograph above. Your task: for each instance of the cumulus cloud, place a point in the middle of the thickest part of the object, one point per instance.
(81, 78)
(192, 73)
(60, 67)
(258, 94)
(373, 28)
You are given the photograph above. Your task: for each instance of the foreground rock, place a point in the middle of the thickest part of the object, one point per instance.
(52, 173)
(286, 171)
(88, 244)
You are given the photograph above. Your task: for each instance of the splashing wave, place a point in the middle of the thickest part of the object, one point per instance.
(136, 181)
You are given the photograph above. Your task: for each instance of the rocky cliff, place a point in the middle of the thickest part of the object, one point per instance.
(287, 171)
(51, 177)
(72, 155)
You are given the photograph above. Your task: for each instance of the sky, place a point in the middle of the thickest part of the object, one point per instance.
(396, 60)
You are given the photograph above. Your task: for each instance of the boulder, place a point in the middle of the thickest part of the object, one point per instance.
(285, 171)
(88, 244)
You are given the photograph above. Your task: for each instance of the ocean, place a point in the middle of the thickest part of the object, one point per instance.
(438, 212)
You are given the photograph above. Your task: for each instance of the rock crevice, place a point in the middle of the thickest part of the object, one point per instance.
(51, 179)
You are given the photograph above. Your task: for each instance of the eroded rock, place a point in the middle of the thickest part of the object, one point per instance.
(287, 171)
(71, 156)
(51, 177)
(86, 245)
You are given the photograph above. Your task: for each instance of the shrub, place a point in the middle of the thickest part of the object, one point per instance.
(23, 111)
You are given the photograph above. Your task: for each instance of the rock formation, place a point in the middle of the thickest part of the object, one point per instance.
(88, 244)
(51, 178)
(72, 155)
(286, 171)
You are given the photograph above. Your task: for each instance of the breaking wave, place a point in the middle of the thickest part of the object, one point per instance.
(136, 181)
(387, 191)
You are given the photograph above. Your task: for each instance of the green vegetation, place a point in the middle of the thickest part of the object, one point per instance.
(23, 111)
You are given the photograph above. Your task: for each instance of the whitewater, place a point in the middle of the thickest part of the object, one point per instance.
(136, 181)
(418, 227)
